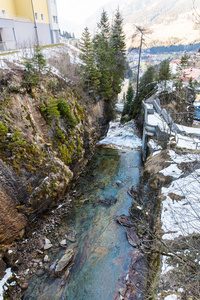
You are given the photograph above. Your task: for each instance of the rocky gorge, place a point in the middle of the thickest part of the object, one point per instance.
(60, 232)
(48, 133)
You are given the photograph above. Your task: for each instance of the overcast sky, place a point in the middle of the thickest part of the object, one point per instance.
(77, 11)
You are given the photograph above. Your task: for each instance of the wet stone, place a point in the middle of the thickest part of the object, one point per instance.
(64, 261)
(122, 291)
(24, 286)
(40, 272)
(46, 258)
(119, 183)
(126, 221)
(132, 237)
(47, 244)
(71, 236)
(63, 243)
(108, 200)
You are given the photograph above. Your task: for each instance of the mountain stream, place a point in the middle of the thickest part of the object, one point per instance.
(103, 253)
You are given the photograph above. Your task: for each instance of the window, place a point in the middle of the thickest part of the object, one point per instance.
(55, 19)
(42, 17)
(3, 11)
(36, 16)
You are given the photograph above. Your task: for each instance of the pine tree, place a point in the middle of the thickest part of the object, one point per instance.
(129, 99)
(184, 61)
(164, 71)
(147, 84)
(103, 56)
(117, 45)
(89, 70)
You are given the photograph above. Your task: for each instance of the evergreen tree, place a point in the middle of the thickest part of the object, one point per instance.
(103, 56)
(147, 84)
(184, 61)
(89, 71)
(164, 73)
(117, 45)
(128, 101)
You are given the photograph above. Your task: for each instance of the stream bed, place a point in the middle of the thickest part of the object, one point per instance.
(103, 253)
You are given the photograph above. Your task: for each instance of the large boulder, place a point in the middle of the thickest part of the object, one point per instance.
(64, 264)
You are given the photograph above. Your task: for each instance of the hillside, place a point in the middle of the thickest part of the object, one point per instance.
(48, 129)
(171, 22)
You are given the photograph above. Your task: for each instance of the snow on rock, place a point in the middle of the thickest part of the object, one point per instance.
(165, 267)
(122, 136)
(172, 170)
(171, 297)
(3, 281)
(18, 57)
(154, 145)
(156, 152)
(181, 207)
(189, 157)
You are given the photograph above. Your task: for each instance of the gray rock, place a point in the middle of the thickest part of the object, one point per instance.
(71, 236)
(63, 243)
(108, 201)
(24, 286)
(47, 244)
(122, 291)
(52, 267)
(132, 237)
(46, 258)
(64, 261)
(126, 221)
(119, 183)
(40, 272)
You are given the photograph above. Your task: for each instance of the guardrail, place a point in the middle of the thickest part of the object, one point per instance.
(150, 130)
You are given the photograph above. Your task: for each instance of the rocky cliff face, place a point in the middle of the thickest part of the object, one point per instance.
(47, 135)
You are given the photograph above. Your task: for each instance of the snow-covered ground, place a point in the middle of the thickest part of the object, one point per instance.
(122, 135)
(156, 120)
(17, 58)
(181, 217)
(3, 281)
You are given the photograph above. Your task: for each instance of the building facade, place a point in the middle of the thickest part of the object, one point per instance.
(24, 23)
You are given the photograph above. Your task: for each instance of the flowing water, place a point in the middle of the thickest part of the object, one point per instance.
(103, 253)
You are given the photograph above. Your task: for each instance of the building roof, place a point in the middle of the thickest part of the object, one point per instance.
(190, 73)
(175, 61)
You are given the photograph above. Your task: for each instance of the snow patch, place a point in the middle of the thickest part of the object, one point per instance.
(122, 136)
(182, 217)
(172, 170)
(3, 281)
(154, 145)
(171, 297)
(190, 157)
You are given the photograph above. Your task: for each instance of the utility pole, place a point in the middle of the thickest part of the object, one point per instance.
(142, 32)
(140, 50)
(35, 24)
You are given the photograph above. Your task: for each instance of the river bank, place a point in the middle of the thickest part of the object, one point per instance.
(97, 202)
(162, 250)
(169, 233)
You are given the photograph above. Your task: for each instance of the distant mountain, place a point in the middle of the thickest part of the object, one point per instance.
(172, 22)
(67, 26)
